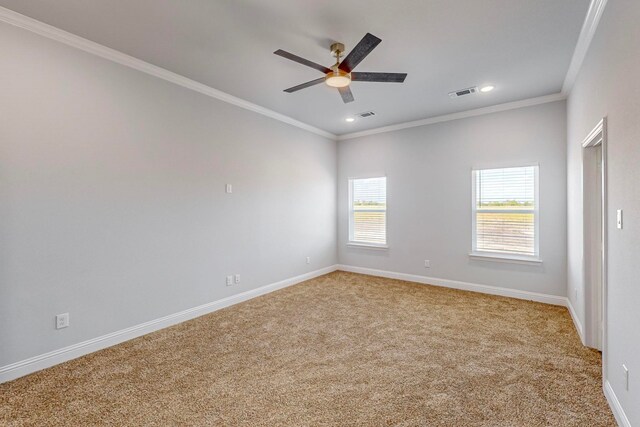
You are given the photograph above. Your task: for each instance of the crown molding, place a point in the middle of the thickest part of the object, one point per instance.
(16, 19)
(591, 21)
(457, 116)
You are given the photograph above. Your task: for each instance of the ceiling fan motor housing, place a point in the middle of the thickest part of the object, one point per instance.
(337, 49)
(337, 77)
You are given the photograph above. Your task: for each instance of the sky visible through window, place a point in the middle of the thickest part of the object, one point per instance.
(505, 210)
(368, 222)
(370, 191)
(505, 187)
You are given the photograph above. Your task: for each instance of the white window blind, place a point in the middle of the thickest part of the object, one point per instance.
(368, 211)
(505, 211)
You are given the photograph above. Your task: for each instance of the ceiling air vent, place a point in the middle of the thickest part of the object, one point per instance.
(366, 114)
(464, 92)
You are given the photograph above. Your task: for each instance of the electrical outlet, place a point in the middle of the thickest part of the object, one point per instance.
(229, 188)
(62, 320)
(308, 260)
(237, 279)
(626, 376)
(229, 280)
(427, 263)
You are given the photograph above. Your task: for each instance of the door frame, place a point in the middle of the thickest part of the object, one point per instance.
(597, 137)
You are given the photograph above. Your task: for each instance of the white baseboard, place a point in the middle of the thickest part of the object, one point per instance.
(615, 405)
(46, 360)
(576, 321)
(465, 286)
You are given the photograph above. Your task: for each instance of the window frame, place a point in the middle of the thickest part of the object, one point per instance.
(350, 239)
(501, 256)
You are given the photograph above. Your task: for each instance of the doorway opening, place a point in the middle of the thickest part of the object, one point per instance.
(595, 235)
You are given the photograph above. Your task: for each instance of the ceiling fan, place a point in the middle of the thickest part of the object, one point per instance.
(341, 74)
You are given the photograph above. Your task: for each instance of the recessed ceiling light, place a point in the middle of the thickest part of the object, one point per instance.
(487, 89)
(349, 119)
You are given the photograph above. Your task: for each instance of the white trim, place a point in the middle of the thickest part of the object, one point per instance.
(53, 33)
(500, 257)
(536, 217)
(576, 320)
(456, 116)
(605, 242)
(597, 136)
(350, 236)
(46, 360)
(454, 284)
(368, 175)
(591, 21)
(503, 165)
(615, 405)
(367, 245)
(586, 35)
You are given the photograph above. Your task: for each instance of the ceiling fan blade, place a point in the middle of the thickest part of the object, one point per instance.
(302, 61)
(305, 85)
(362, 49)
(378, 77)
(345, 93)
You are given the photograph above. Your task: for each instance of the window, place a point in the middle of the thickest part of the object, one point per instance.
(505, 212)
(368, 211)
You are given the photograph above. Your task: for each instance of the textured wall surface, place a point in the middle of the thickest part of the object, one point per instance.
(607, 86)
(428, 173)
(113, 204)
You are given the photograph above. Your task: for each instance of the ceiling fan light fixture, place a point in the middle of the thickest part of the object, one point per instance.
(341, 74)
(338, 78)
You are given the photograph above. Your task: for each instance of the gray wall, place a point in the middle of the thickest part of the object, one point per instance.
(112, 202)
(607, 85)
(428, 173)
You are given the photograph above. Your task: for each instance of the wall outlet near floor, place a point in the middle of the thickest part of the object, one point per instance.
(229, 280)
(427, 263)
(228, 188)
(237, 278)
(626, 377)
(62, 320)
(308, 260)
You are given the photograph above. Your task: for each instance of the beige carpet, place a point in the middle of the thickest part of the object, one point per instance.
(340, 350)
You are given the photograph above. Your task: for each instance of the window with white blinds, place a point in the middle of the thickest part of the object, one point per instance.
(368, 211)
(505, 211)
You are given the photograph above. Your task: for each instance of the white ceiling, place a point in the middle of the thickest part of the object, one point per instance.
(523, 47)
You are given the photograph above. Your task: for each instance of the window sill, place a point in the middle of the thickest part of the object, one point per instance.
(367, 246)
(498, 257)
